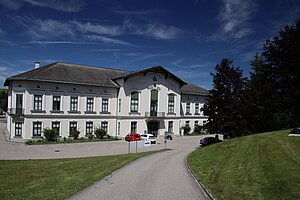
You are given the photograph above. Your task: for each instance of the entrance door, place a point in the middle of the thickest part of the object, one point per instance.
(153, 128)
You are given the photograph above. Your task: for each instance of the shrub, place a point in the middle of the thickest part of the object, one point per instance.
(100, 133)
(90, 136)
(75, 134)
(186, 130)
(198, 129)
(51, 134)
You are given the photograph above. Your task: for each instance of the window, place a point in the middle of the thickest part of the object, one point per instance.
(73, 126)
(197, 108)
(56, 102)
(89, 128)
(19, 103)
(133, 127)
(187, 123)
(37, 104)
(188, 108)
(170, 127)
(90, 104)
(204, 122)
(134, 102)
(196, 123)
(74, 104)
(154, 103)
(119, 105)
(37, 129)
(171, 103)
(104, 105)
(18, 129)
(104, 126)
(56, 126)
(119, 128)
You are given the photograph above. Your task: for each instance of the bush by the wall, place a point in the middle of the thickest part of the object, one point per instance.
(51, 134)
(100, 133)
(75, 134)
(186, 130)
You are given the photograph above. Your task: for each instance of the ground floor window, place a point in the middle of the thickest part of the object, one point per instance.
(73, 126)
(119, 128)
(196, 123)
(104, 126)
(187, 123)
(89, 128)
(133, 127)
(56, 126)
(37, 129)
(170, 127)
(18, 129)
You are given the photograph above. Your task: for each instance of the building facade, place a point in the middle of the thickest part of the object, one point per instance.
(70, 96)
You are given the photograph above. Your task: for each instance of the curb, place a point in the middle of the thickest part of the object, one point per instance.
(196, 180)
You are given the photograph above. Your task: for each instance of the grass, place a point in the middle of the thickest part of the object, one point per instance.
(56, 178)
(261, 166)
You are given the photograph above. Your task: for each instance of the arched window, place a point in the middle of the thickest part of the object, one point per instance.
(134, 105)
(171, 103)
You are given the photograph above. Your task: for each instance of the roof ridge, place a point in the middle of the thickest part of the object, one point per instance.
(91, 66)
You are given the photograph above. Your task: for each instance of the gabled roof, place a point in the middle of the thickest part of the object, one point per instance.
(155, 69)
(60, 72)
(194, 90)
(71, 73)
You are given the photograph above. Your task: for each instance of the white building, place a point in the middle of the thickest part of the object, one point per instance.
(70, 96)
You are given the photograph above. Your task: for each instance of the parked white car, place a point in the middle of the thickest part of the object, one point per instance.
(149, 137)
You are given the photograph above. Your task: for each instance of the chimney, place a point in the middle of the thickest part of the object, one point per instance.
(36, 65)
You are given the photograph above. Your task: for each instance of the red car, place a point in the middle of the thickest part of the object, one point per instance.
(133, 137)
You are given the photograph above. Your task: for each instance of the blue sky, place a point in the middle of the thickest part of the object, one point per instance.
(187, 37)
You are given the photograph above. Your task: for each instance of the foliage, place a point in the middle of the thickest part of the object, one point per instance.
(56, 178)
(51, 134)
(198, 129)
(3, 99)
(100, 133)
(65, 140)
(75, 134)
(260, 166)
(224, 106)
(186, 129)
(274, 88)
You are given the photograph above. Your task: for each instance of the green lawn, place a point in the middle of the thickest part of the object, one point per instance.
(261, 166)
(56, 178)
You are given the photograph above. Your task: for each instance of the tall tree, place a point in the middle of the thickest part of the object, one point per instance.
(224, 106)
(275, 82)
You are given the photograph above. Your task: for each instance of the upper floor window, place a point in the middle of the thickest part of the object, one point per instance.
(188, 108)
(37, 102)
(133, 127)
(56, 103)
(120, 104)
(37, 129)
(89, 104)
(74, 104)
(171, 103)
(89, 128)
(105, 105)
(104, 126)
(197, 108)
(134, 106)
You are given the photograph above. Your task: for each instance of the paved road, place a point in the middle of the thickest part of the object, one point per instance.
(158, 176)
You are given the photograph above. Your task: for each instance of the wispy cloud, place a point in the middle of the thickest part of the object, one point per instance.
(45, 29)
(105, 39)
(132, 12)
(234, 17)
(55, 42)
(99, 29)
(65, 6)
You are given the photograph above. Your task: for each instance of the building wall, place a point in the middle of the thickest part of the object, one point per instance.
(119, 117)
